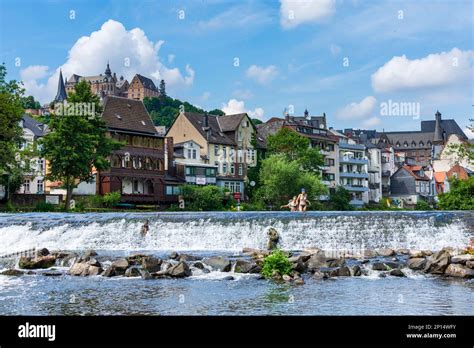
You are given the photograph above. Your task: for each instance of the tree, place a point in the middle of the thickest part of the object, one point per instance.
(256, 121)
(460, 195)
(296, 148)
(76, 144)
(340, 199)
(217, 112)
(30, 103)
(203, 197)
(163, 89)
(281, 179)
(11, 111)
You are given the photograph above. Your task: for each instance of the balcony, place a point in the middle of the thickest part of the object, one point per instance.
(200, 179)
(356, 188)
(353, 160)
(325, 152)
(374, 168)
(352, 146)
(354, 175)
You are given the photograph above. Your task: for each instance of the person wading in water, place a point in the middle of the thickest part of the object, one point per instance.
(303, 201)
(292, 204)
(145, 228)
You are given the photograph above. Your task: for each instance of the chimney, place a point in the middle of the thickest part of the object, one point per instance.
(306, 113)
(206, 120)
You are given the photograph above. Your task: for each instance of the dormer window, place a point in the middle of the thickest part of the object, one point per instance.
(413, 144)
(405, 144)
(143, 123)
(422, 144)
(397, 144)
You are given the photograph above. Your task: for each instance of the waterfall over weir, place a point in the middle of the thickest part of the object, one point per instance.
(233, 231)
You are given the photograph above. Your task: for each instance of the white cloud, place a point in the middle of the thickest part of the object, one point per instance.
(205, 96)
(434, 70)
(129, 52)
(241, 17)
(171, 58)
(357, 111)
(235, 106)
(296, 12)
(262, 75)
(371, 122)
(31, 77)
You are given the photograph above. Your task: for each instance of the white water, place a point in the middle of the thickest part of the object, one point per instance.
(230, 232)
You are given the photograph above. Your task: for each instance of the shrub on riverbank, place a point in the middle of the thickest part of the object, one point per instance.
(276, 261)
(205, 198)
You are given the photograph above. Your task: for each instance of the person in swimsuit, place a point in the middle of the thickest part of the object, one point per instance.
(303, 200)
(145, 229)
(292, 204)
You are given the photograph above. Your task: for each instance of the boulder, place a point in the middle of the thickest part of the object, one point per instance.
(426, 253)
(417, 263)
(343, 271)
(336, 262)
(460, 271)
(316, 261)
(198, 265)
(320, 275)
(255, 253)
(273, 238)
(391, 264)
(470, 264)
(403, 251)
(397, 272)
(132, 271)
(243, 266)
(180, 270)
(438, 262)
(12, 272)
(38, 262)
(136, 259)
(90, 253)
(120, 266)
(369, 253)
(462, 259)
(42, 252)
(174, 255)
(218, 263)
(287, 278)
(299, 281)
(415, 254)
(93, 262)
(228, 278)
(84, 269)
(379, 266)
(255, 269)
(385, 252)
(356, 271)
(145, 274)
(151, 264)
(276, 276)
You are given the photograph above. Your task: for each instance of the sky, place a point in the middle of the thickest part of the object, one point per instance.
(381, 65)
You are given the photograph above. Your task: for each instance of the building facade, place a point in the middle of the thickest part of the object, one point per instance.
(409, 184)
(353, 171)
(141, 87)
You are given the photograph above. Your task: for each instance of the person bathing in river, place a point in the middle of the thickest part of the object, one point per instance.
(145, 229)
(303, 201)
(292, 204)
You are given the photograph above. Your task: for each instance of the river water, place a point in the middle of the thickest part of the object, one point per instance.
(117, 234)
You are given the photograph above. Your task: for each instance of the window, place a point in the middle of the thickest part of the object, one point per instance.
(194, 154)
(115, 162)
(224, 168)
(190, 170)
(40, 186)
(189, 153)
(26, 186)
(210, 172)
(41, 165)
(330, 147)
(173, 190)
(241, 169)
(224, 149)
(329, 161)
(216, 150)
(135, 186)
(232, 168)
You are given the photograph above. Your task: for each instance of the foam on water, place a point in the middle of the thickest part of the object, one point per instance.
(233, 231)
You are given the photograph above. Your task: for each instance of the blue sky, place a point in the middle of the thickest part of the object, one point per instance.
(344, 58)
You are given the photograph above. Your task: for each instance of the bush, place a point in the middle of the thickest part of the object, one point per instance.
(422, 205)
(460, 195)
(111, 199)
(44, 207)
(340, 199)
(276, 261)
(203, 197)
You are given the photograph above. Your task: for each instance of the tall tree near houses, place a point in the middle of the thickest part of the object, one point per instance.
(11, 111)
(77, 143)
(162, 89)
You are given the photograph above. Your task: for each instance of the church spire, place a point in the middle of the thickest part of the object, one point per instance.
(438, 133)
(61, 95)
(107, 71)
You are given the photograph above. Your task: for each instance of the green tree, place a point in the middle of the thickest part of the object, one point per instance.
(76, 144)
(460, 195)
(296, 148)
(256, 121)
(203, 197)
(281, 179)
(30, 103)
(217, 112)
(340, 199)
(11, 111)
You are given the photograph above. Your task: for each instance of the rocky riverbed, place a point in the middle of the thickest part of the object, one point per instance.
(312, 263)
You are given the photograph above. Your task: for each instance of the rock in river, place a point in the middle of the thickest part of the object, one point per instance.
(85, 268)
(397, 273)
(117, 268)
(385, 252)
(218, 263)
(438, 262)
(38, 262)
(462, 259)
(316, 261)
(151, 264)
(12, 272)
(243, 266)
(417, 263)
(179, 270)
(457, 270)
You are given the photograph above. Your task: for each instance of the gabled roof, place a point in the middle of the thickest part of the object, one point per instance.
(146, 82)
(36, 127)
(213, 133)
(230, 123)
(448, 126)
(128, 115)
(440, 176)
(411, 171)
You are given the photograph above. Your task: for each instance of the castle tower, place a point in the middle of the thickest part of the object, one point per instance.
(61, 95)
(438, 132)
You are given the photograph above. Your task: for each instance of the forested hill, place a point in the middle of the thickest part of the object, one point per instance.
(163, 110)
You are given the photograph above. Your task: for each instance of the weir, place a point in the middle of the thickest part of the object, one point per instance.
(228, 231)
